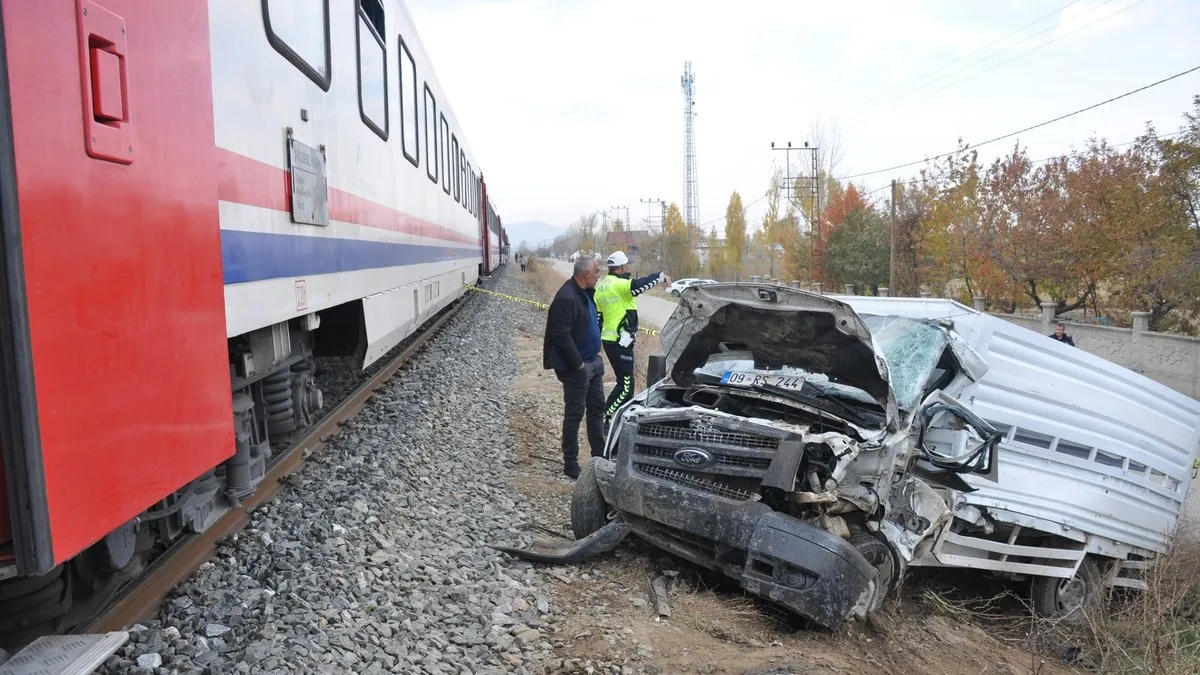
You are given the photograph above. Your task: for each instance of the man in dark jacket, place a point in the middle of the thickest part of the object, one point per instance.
(1060, 334)
(571, 348)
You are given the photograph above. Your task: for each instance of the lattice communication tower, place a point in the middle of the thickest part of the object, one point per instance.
(691, 204)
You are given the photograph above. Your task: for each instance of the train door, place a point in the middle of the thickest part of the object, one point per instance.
(113, 353)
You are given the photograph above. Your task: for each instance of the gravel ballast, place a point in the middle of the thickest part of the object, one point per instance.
(375, 559)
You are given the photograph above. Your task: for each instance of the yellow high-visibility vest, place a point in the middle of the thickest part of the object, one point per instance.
(614, 300)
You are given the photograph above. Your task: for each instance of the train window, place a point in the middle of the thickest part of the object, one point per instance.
(445, 131)
(372, 67)
(462, 175)
(431, 151)
(457, 173)
(408, 106)
(299, 30)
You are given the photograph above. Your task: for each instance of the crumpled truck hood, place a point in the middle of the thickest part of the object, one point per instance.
(782, 327)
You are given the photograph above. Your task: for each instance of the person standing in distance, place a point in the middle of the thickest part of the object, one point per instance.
(571, 348)
(1060, 334)
(616, 300)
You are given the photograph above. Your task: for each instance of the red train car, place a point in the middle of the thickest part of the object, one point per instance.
(196, 197)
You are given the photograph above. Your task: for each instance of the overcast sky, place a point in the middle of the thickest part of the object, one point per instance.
(574, 106)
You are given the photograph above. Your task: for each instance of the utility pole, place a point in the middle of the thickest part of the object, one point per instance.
(662, 215)
(626, 210)
(892, 256)
(814, 206)
(662, 226)
(603, 234)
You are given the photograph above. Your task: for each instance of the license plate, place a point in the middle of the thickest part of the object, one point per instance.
(737, 379)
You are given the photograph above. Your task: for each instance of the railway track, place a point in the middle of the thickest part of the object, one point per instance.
(142, 599)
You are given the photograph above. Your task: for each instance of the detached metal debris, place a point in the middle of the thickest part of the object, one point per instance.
(602, 540)
(816, 447)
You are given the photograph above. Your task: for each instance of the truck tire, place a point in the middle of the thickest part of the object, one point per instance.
(1057, 598)
(880, 557)
(589, 512)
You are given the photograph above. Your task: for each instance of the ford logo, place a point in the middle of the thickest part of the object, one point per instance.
(693, 457)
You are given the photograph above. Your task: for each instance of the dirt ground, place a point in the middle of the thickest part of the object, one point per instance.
(611, 624)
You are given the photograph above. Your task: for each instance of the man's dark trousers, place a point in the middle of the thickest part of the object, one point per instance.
(583, 391)
(621, 359)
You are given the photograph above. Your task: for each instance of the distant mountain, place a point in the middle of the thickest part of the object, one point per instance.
(532, 232)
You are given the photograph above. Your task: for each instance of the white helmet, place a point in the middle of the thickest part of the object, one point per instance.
(617, 259)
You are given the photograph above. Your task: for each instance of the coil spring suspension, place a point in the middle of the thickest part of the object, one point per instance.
(277, 395)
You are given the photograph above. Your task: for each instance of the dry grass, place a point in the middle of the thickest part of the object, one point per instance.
(1153, 631)
(734, 617)
(729, 619)
(1157, 630)
(546, 278)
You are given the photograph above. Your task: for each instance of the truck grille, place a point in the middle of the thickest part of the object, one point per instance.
(683, 431)
(720, 459)
(739, 459)
(696, 480)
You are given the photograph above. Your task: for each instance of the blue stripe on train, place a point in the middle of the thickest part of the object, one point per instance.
(254, 256)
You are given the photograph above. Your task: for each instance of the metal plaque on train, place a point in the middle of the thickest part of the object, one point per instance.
(310, 191)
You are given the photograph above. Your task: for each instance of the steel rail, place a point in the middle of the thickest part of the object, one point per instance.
(145, 595)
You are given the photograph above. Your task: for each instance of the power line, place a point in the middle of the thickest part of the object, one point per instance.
(744, 207)
(1029, 128)
(990, 68)
(918, 181)
(961, 58)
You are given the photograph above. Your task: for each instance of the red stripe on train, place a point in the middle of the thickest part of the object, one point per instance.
(244, 180)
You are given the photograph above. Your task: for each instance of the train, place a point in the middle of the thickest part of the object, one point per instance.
(198, 198)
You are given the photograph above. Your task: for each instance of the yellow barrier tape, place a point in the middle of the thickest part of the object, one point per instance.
(539, 305)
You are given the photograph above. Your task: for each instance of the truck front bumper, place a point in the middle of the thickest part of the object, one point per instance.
(808, 570)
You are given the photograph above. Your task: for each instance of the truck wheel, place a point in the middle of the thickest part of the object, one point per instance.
(588, 510)
(1058, 598)
(880, 557)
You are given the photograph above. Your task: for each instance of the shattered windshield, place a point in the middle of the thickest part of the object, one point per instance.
(912, 350)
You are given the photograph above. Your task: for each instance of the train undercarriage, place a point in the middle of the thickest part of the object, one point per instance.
(275, 398)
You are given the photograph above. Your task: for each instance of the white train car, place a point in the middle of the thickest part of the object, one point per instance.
(347, 84)
(201, 197)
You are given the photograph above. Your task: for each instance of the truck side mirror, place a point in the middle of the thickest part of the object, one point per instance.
(656, 368)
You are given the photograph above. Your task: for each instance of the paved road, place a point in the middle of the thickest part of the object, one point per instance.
(651, 311)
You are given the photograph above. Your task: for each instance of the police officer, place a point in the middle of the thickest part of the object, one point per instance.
(616, 301)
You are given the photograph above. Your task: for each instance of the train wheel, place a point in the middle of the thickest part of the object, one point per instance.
(72, 593)
(31, 604)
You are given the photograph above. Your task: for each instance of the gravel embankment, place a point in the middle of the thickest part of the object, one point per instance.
(375, 559)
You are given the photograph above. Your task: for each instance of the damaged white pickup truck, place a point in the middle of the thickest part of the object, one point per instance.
(814, 452)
